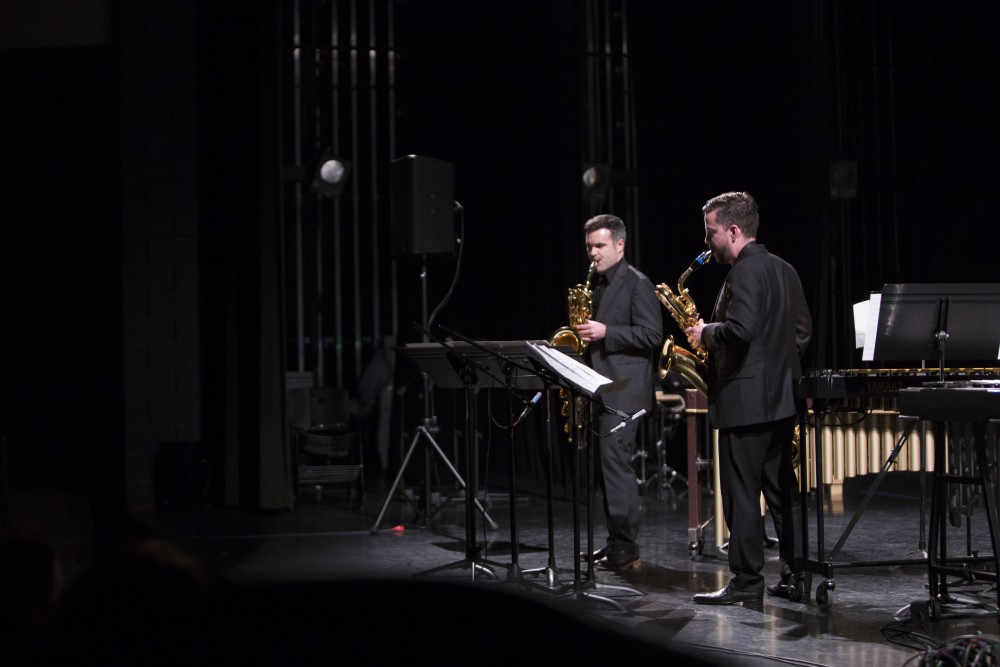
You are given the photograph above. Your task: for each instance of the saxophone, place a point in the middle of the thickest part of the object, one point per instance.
(690, 364)
(580, 310)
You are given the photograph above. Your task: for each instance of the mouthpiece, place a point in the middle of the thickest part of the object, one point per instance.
(701, 260)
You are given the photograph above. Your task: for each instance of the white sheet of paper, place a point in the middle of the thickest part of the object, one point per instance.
(871, 328)
(579, 374)
(860, 322)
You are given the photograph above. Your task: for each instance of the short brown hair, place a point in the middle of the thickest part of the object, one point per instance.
(735, 208)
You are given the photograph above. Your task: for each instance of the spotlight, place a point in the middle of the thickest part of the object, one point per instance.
(330, 176)
(595, 181)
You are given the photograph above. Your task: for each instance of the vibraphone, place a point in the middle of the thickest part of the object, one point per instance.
(852, 428)
(856, 429)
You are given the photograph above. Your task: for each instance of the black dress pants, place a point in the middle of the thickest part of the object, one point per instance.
(755, 459)
(617, 482)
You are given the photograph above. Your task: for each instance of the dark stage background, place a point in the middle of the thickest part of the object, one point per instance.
(727, 96)
(772, 98)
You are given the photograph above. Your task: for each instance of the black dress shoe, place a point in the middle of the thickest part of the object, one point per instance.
(789, 587)
(728, 595)
(785, 578)
(597, 555)
(619, 558)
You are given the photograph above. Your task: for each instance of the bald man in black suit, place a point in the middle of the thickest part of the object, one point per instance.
(760, 327)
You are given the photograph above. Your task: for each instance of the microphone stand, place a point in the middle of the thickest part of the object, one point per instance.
(550, 570)
(514, 573)
(579, 589)
(591, 575)
(941, 336)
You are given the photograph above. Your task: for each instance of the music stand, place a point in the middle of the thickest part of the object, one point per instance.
(448, 369)
(579, 379)
(504, 360)
(957, 321)
(921, 321)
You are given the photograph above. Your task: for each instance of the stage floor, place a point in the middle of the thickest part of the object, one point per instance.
(398, 578)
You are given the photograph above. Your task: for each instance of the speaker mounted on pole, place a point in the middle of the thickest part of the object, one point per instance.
(423, 206)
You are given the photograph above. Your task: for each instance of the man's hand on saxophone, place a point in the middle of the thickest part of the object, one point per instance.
(694, 333)
(591, 331)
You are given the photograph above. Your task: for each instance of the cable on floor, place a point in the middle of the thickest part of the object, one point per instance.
(963, 651)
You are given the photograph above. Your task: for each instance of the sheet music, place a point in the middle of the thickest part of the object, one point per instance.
(861, 322)
(871, 327)
(576, 373)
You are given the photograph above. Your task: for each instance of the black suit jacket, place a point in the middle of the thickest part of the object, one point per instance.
(630, 310)
(760, 328)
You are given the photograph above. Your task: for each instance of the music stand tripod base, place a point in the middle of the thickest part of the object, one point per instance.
(423, 432)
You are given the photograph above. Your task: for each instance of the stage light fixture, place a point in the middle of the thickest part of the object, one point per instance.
(331, 174)
(596, 178)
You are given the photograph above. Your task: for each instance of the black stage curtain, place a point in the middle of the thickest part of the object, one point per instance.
(241, 266)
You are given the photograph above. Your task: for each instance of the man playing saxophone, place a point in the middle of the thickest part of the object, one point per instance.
(759, 329)
(623, 341)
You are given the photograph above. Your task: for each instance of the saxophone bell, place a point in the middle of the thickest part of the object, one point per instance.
(679, 360)
(567, 337)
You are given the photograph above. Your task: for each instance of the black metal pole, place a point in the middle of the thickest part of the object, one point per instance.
(514, 573)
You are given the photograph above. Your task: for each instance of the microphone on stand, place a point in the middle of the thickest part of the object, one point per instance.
(527, 408)
(627, 420)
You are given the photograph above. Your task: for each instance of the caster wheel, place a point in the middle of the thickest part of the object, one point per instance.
(824, 595)
(694, 550)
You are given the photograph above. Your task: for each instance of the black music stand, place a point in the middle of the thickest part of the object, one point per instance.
(448, 369)
(505, 361)
(922, 321)
(956, 403)
(945, 321)
(928, 321)
(578, 380)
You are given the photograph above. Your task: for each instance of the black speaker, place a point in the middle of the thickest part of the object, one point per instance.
(423, 206)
